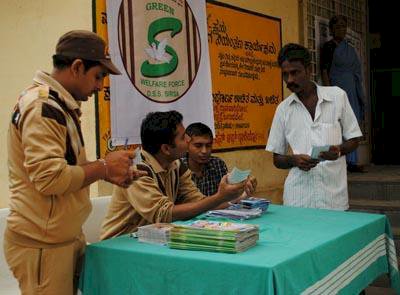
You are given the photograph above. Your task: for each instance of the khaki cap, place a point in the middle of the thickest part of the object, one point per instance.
(86, 45)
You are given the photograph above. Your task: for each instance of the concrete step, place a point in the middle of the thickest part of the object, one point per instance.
(379, 183)
(396, 239)
(378, 191)
(374, 190)
(396, 232)
(376, 205)
(390, 208)
(379, 291)
(382, 281)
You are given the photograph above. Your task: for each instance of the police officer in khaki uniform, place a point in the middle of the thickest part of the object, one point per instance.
(48, 171)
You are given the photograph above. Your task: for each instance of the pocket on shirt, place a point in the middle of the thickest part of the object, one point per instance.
(329, 134)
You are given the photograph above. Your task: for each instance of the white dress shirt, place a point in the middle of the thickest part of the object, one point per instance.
(324, 186)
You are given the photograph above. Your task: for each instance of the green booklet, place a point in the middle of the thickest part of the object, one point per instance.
(194, 235)
(215, 228)
(214, 236)
(212, 242)
(227, 248)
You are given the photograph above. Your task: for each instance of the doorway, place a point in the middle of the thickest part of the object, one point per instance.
(385, 83)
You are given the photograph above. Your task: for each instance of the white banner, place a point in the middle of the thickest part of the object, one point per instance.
(161, 49)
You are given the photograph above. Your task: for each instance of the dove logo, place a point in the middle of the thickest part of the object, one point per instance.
(160, 48)
(160, 51)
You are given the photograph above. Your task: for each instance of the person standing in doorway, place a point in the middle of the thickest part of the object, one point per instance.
(340, 66)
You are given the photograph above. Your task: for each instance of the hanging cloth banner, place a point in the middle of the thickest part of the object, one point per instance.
(162, 51)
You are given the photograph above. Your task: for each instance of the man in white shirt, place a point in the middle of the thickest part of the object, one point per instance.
(312, 116)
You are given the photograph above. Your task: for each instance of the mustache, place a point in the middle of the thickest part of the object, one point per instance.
(291, 85)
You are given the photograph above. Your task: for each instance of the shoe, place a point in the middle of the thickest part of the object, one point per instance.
(356, 168)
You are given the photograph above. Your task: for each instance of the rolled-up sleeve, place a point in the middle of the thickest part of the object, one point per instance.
(44, 145)
(348, 120)
(277, 142)
(148, 200)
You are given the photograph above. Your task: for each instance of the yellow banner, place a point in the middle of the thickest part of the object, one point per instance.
(103, 97)
(246, 79)
(103, 121)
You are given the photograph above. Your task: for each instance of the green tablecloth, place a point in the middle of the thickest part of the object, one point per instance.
(300, 250)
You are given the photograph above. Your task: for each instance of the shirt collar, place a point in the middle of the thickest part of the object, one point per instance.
(207, 167)
(43, 78)
(322, 95)
(152, 161)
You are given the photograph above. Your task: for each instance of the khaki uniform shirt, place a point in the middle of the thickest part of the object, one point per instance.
(150, 199)
(45, 149)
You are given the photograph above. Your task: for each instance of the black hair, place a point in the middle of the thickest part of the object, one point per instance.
(199, 129)
(159, 128)
(61, 62)
(294, 52)
(335, 19)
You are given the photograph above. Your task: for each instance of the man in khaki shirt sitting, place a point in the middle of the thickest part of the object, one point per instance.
(167, 193)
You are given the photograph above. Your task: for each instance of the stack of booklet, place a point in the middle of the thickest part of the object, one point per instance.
(214, 236)
(245, 209)
(235, 211)
(157, 233)
(252, 203)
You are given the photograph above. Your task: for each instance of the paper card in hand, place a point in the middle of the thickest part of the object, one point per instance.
(316, 150)
(237, 175)
(138, 157)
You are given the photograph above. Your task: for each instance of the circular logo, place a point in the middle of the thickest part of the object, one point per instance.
(160, 48)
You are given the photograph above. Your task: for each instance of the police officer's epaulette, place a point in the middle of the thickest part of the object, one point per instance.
(16, 115)
(30, 95)
(51, 112)
(27, 97)
(48, 111)
(150, 172)
(53, 95)
(145, 168)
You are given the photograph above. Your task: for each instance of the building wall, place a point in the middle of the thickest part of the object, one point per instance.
(270, 179)
(28, 34)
